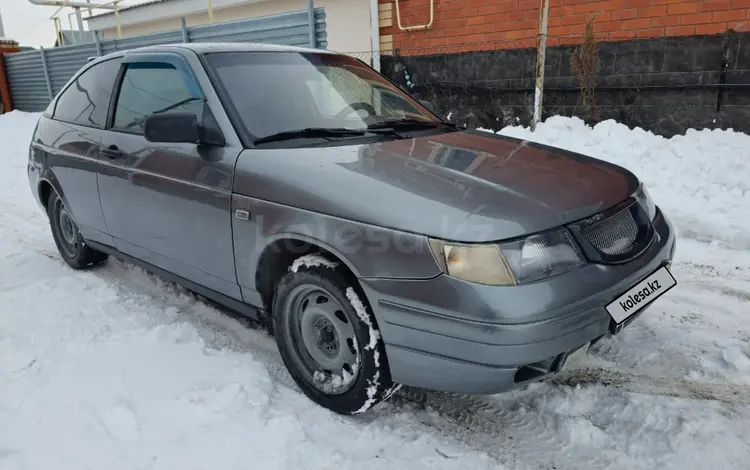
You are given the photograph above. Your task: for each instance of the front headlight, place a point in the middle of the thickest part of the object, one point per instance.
(644, 199)
(517, 262)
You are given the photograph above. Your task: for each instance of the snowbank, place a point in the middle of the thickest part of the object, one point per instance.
(700, 179)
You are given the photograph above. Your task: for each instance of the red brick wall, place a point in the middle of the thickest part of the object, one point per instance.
(5, 47)
(464, 25)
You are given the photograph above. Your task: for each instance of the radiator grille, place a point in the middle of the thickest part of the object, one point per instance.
(614, 236)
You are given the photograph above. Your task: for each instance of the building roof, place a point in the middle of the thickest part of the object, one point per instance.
(197, 6)
(130, 7)
(157, 10)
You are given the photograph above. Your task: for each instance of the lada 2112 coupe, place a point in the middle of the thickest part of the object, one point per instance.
(382, 245)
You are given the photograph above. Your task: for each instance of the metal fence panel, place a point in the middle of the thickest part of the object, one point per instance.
(123, 44)
(292, 29)
(29, 83)
(64, 62)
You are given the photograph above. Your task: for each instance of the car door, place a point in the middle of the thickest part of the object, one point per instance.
(167, 204)
(69, 141)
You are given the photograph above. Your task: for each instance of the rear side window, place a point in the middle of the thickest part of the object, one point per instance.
(86, 100)
(152, 87)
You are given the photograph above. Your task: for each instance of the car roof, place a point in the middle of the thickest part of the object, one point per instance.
(208, 47)
(203, 47)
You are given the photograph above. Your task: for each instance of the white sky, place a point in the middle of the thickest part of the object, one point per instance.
(30, 24)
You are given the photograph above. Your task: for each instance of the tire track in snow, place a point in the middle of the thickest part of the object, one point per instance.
(737, 290)
(480, 423)
(636, 382)
(483, 424)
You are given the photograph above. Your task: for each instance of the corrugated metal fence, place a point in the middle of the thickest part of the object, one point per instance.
(35, 77)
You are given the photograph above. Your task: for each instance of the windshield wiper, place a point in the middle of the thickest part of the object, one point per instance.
(311, 133)
(407, 123)
(385, 127)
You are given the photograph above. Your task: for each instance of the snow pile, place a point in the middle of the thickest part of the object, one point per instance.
(701, 179)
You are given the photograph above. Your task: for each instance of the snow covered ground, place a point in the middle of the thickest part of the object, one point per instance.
(117, 369)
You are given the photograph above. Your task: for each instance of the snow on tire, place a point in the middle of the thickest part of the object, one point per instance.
(328, 337)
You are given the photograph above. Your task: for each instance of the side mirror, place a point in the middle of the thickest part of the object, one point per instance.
(428, 104)
(172, 128)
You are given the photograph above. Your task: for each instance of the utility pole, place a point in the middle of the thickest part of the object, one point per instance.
(541, 52)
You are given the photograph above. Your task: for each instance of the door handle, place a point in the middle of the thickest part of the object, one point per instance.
(111, 152)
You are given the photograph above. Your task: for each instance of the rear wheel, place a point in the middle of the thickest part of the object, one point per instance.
(68, 239)
(329, 341)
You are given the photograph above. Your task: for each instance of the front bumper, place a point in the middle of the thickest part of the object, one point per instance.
(455, 336)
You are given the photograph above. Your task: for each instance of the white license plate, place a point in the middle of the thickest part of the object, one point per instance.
(641, 295)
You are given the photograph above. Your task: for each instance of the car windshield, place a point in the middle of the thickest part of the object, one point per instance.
(276, 92)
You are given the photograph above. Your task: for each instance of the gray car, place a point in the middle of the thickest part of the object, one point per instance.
(382, 245)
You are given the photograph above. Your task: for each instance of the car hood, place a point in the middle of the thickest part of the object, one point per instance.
(467, 186)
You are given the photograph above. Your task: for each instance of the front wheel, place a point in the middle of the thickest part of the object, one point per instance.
(68, 239)
(329, 341)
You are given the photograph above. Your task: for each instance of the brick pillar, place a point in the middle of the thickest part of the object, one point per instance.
(6, 47)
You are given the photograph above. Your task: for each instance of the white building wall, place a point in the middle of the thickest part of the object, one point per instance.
(347, 21)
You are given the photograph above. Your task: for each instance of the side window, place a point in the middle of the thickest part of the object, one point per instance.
(86, 100)
(150, 87)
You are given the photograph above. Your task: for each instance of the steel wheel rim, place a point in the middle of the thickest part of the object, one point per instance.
(322, 339)
(68, 231)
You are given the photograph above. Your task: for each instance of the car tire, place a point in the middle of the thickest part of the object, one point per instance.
(70, 244)
(321, 320)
